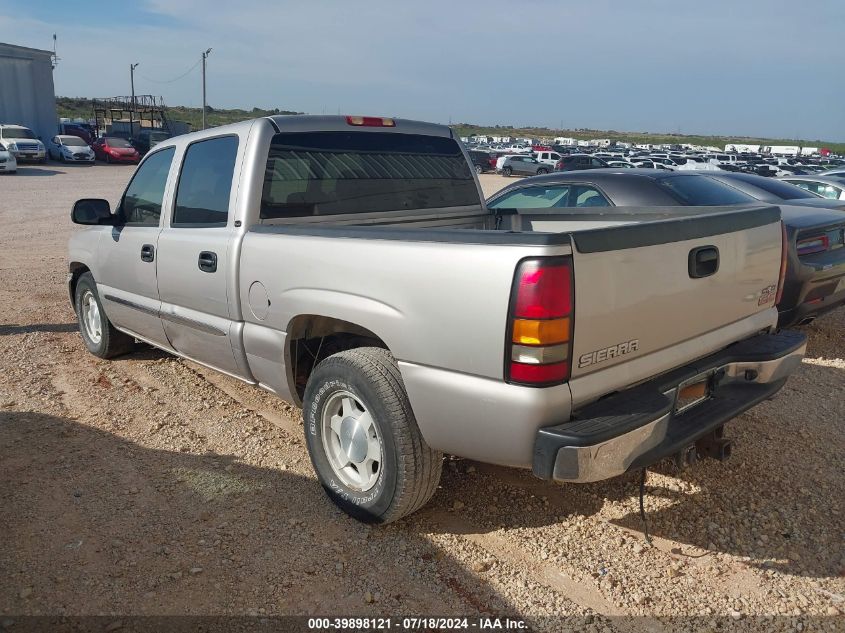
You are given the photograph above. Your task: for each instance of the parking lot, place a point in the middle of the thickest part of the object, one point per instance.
(150, 485)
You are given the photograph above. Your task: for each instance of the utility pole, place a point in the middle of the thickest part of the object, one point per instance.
(132, 68)
(204, 56)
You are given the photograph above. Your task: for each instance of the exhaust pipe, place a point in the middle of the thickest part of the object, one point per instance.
(807, 320)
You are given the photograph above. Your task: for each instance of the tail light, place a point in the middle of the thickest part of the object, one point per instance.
(559, 165)
(540, 323)
(810, 245)
(370, 121)
(783, 260)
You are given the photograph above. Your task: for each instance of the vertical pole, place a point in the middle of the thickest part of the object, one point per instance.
(132, 111)
(203, 90)
(204, 56)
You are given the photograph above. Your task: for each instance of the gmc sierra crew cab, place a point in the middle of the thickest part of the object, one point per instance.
(350, 265)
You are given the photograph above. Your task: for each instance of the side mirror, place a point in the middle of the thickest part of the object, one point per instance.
(92, 211)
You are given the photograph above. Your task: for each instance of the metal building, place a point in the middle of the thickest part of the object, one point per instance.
(27, 95)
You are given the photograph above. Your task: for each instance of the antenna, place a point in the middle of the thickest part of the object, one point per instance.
(55, 58)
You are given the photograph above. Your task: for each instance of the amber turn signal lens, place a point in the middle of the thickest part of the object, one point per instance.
(540, 332)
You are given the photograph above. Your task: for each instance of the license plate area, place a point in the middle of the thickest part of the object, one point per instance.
(694, 391)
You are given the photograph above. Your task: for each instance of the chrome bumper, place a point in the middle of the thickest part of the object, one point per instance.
(649, 427)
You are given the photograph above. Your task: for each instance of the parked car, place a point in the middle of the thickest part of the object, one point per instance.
(22, 143)
(521, 166)
(649, 163)
(824, 186)
(113, 149)
(8, 163)
(146, 139)
(573, 162)
(85, 131)
(815, 274)
(548, 157)
(70, 149)
(355, 270)
(483, 161)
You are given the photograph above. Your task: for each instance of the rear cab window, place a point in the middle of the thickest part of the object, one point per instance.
(332, 173)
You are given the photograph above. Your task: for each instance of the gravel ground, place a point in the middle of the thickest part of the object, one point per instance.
(150, 485)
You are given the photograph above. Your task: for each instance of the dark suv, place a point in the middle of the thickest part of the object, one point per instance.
(579, 161)
(483, 161)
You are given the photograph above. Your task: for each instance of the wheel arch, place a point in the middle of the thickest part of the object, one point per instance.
(75, 271)
(313, 337)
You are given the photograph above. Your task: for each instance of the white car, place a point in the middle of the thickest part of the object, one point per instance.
(549, 158)
(22, 143)
(70, 149)
(8, 164)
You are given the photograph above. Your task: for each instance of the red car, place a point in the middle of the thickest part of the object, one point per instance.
(115, 150)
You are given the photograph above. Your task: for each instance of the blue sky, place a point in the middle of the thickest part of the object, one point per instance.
(734, 67)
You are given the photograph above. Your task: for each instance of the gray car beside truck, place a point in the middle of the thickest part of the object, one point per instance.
(351, 266)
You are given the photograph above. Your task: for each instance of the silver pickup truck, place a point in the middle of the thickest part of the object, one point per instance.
(349, 265)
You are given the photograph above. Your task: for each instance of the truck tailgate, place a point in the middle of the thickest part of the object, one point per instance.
(647, 287)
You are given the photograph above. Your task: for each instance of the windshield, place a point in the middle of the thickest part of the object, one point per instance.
(73, 141)
(16, 132)
(698, 190)
(327, 173)
(118, 142)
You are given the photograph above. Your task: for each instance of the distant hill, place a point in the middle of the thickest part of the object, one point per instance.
(73, 107)
(80, 107)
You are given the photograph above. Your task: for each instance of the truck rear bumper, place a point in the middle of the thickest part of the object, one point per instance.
(639, 426)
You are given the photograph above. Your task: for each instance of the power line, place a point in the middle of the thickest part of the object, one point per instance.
(170, 81)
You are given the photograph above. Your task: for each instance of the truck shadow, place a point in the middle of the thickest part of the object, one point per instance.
(791, 459)
(11, 329)
(26, 170)
(95, 523)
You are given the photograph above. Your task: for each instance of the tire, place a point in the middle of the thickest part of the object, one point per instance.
(542, 171)
(507, 171)
(111, 342)
(479, 169)
(108, 159)
(407, 471)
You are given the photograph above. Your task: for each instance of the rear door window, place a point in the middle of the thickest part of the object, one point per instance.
(205, 183)
(587, 196)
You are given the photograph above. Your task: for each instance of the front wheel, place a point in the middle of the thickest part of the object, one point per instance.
(99, 335)
(507, 171)
(542, 171)
(363, 439)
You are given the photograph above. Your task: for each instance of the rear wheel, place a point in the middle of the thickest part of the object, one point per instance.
(478, 169)
(542, 171)
(100, 336)
(507, 171)
(363, 439)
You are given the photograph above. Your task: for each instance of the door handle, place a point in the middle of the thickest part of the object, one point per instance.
(208, 262)
(703, 261)
(148, 253)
